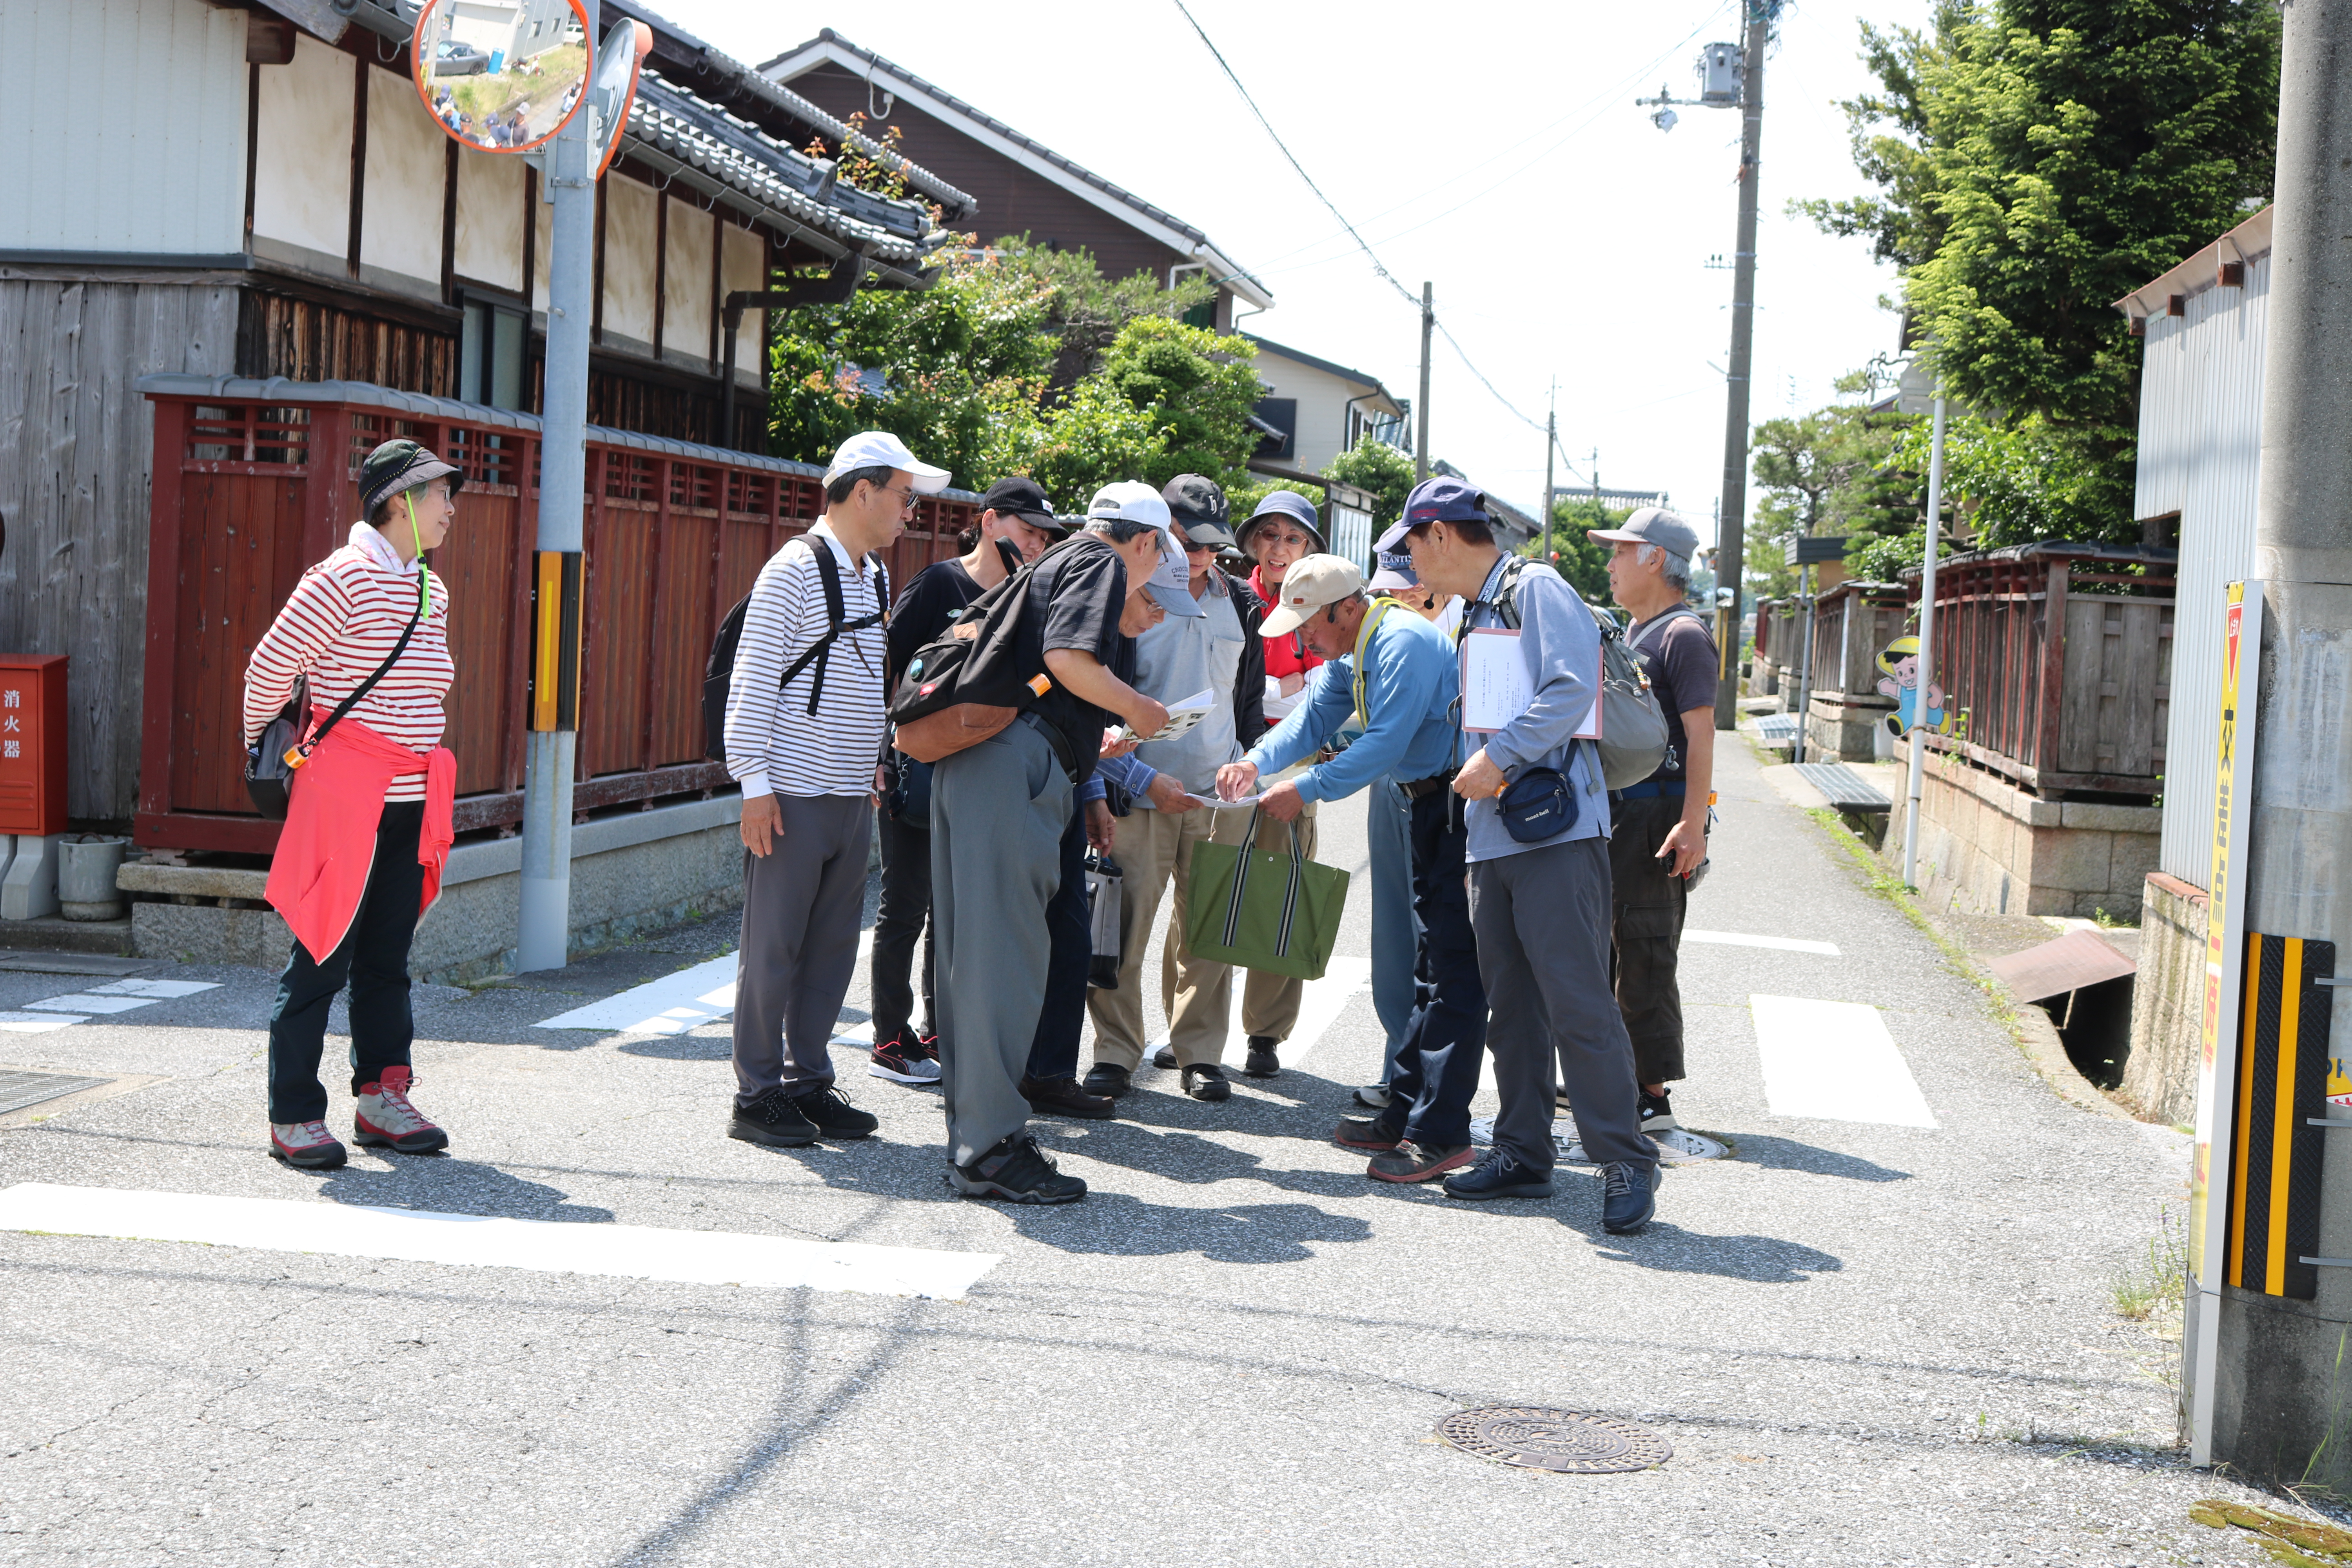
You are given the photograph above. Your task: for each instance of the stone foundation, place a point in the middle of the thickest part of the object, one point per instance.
(1844, 729)
(1986, 845)
(2168, 1023)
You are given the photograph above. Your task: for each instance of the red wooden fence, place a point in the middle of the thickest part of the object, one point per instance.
(255, 480)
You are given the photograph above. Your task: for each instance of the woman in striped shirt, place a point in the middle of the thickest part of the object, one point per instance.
(368, 826)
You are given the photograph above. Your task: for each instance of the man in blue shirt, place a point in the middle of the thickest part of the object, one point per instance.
(1394, 672)
(1539, 903)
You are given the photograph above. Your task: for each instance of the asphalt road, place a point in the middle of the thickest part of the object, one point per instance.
(1867, 1344)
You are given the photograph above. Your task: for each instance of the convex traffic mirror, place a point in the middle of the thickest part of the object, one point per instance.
(502, 75)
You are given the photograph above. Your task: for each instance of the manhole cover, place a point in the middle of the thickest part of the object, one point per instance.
(1539, 1439)
(20, 1089)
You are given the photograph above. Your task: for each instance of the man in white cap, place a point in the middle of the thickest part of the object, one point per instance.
(1658, 827)
(1000, 814)
(805, 713)
(1392, 671)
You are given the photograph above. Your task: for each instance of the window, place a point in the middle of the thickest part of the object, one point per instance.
(490, 353)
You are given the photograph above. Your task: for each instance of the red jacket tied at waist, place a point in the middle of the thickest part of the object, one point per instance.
(320, 868)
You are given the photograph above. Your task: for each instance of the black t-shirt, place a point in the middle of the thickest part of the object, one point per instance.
(1076, 596)
(1678, 653)
(923, 611)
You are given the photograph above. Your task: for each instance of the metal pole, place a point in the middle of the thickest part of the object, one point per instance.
(1421, 411)
(1804, 661)
(543, 938)
(1926, 647)
(2264, 1397)
(1551, 439)
(1731, 532)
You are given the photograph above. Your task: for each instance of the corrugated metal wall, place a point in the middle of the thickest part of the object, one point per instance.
(2200, 438)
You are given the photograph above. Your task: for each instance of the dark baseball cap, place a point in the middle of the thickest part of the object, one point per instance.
(1198, 503)
(1438, 499)
(1017, 495)
(401, 465)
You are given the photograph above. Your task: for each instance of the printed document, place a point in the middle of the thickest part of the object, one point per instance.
(1181, 716)
(1496, 687)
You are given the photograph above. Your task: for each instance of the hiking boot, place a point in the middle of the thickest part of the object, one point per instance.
(384, 1120)
(1262, 1062)
(902, 1060)
(1108, 1081)
(306, 1146)
(1657, 1111)
(1498, 1175)
(1628, 1196)
(1419, 1162)
(1018, 1172)
(1375, 1095)
(1062, 1097)
(1368, 1132)
(1164, 1058)
(772, 1120)
(828, 1111)
(1206, 1081)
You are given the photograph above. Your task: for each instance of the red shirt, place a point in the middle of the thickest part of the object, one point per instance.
(1287, 655)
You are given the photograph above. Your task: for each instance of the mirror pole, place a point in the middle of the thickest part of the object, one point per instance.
(545, 923)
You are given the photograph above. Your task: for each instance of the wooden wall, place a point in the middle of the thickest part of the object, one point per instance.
(75, 449)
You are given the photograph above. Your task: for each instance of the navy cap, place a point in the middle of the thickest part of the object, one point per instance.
(1396, 571)
(1438, 499)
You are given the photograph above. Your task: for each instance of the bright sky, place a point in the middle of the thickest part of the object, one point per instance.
(1494, 149)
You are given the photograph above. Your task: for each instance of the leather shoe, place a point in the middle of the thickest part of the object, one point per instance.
(1107, 1079)
(1164, 1058)
(1262, 1061)
(1498, 1175)
(1418, 1162)
(1628, 1196)
(1206, 1081)
(1062, 1097)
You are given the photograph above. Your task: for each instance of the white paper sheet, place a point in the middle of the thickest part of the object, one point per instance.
(1213, 804)
(1496, 689)
(1182, 716)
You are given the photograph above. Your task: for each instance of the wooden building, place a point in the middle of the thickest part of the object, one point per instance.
(265, 196)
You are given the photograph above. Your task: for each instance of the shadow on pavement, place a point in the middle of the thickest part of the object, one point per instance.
(455, 1186)
(1116, 1224)
(1671, 1249)
(1788, 1154)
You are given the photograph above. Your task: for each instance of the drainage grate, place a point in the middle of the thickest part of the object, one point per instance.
(1560, 1441)
(20, 1089)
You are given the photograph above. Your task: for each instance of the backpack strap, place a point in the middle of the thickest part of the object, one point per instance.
(820, 652)
(1506, 593)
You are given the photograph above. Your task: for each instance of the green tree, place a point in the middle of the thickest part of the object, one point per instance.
(1380, 469)
(1582, 561)
(1831, 472)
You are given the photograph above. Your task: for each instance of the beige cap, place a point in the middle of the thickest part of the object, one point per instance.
(1312, 582)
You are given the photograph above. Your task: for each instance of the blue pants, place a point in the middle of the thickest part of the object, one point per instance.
(1446, 1045)
(1396, 933)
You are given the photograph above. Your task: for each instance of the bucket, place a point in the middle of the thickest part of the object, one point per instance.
(86, 863)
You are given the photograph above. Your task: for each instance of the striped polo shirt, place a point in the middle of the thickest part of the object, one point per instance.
(343, 619)
(775, 745)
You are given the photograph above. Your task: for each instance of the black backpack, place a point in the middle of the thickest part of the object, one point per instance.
(718, 674)
(967, 680)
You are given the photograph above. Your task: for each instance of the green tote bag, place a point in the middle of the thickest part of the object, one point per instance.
(1246, 907)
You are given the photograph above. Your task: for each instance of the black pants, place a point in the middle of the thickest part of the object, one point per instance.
(1446, 1043)
(1061, 1018)
(375, 958)
(1645, 933)
(903, 916)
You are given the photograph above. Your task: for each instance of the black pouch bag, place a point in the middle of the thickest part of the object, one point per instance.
(271, 762)
(1537, 805)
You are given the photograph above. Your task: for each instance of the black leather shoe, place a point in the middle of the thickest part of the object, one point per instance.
(1368, 1132)
(1206, 1081)
(774, 1120)
(1628, 1196)
(1164, 1058)
(1108, 1081)
(1262, 1062)
(1062, 1097)
(1498, 1175)
(1018, 1172)
(830, 1112)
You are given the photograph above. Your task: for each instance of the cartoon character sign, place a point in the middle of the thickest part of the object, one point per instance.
(1901, 663)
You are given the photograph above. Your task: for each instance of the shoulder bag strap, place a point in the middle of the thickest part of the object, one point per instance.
(306, 747)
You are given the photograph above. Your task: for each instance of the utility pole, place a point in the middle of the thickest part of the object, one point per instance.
(1917, 782)
(1551, 440)
(2259, 1360)
(1420, 410)
(1730, 551)
(1596, 486)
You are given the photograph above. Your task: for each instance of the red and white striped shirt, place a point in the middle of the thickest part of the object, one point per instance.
(342, 621)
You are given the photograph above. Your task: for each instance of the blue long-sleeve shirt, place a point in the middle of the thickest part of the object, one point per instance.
(1410, 686)
(1132, 773)
(1560, 642)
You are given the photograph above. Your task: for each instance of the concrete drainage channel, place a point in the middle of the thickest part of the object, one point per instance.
(1565, 1442)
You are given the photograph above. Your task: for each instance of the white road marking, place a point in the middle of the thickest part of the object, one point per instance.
(1834, 1061)
(418, 1235)
(118, 996)
(1320, 1006)
(1741, 939)
(37, 1022)
(686, 1000)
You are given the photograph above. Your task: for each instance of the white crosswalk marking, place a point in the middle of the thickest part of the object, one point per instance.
(678, 1003)
(1320, 1006)
(1741, 939)
(79, 1008)
(1834, 1061)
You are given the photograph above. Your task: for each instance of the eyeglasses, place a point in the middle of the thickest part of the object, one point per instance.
(905, 497)
(1192, 549)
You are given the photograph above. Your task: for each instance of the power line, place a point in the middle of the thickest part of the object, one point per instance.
(1473, 370)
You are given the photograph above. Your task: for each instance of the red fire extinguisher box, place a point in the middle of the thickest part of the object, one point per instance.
(33, 742)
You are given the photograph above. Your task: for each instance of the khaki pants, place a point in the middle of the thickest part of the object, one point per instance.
(1153, 851)
(1270, 1002)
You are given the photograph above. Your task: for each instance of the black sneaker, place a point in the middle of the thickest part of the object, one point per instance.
(1164, 1058)
(1206, 1081)
(1375, 1095)
(1108, 1081)
(1657, 1111)
(1062, 1097)
(772, 1120)
(1498, 1175)
(1262, 1062)
(830, 1112)
(1018, 1172)
(1628, 1196)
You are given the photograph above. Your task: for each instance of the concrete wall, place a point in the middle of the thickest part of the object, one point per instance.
(2168, 1003)
(1844, 729)
(1989, 846)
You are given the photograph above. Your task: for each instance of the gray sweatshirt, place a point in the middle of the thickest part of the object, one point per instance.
(1561, 646)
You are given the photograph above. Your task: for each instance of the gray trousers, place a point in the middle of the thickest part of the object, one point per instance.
(998, 813)
(802, 906)
(1542, 922)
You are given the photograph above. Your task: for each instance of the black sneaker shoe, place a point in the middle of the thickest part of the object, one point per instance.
(830, 1112)
(1108, 1081)
(1375, 1095)
(774, 1120)
(1498, 1175)
(1373, 1132)
(1062, 1097)
(1206, 1081)
(1164, 1058)
(1262, 1062)
(1657, 1111)
(1628, 1196)
(1018, 1172)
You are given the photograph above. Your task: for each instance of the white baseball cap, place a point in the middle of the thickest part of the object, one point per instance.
(1171, 584)
(880, 450)
(1312, 582)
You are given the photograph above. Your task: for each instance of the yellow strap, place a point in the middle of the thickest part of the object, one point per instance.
(1381, 606)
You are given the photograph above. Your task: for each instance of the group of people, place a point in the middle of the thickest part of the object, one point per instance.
(1520, 906)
